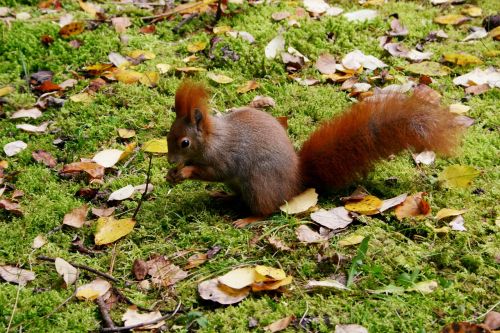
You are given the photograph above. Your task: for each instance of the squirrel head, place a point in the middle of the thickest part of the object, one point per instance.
(188, 134)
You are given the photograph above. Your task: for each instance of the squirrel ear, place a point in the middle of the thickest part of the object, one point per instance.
(198, 118)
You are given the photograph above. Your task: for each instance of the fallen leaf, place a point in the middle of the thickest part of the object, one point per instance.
(150, 79)
(72, 29)
(190, 69)
(140, 269)
(425, 287)
(109, 229)
(389, 203)
(127, 76)
(458, 176)
(238, 278)
(23, 16)
(142, 188)
(66, 270)
(351, 240)
(356, 59)
(464, 327)
(163, 68)
(98, 69)
(471, 10)
(325, 64)
(272, 285)
(279, 325)
(219, 78)
(451, 19)
(121, 24)
(426, 157)
(156, 146)
(307, 235)
(122, 193)
(34, 129)
(38, 242)
(221, 29)
(369, 205)
(457, 224)
(459, 108)
(477, 33)
(248, 86)
(478, 76)
(278, 244)
(279, 16)
(16, 275)
(196, 47)
(301, 202)
(6, 90)
(196, 260)
(447, 212)
(326, 284)
(103, 212)
(108, 157)
(69, 83)
(266, 273)
(336, 218)
(495, 33)
(316, 6)
(33, 113)
(13, 148)
(95, 170)
(11, 206)
(414, 206)
(350, 328)
(83, 97)
(214, 291)
(275, 47)
(461, 59)
(142, 54)
(261, 102)
(397, 28)
(90, 8)
(76, 218)
(92, 290)
(492, 320)
(118, 60)
(164, 273)
(428, 68)
(361, 15)
(148, 29)
(133, 317)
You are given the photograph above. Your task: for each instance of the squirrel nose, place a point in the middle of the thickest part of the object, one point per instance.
(172, 158)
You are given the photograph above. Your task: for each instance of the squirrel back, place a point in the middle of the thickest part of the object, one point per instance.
(346, 147)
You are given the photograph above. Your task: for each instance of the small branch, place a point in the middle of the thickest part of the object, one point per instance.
(487, 311)
(183, 22)
(108, 322)
(152, 322)
(14, 308)
(148, 178)
(84, 267)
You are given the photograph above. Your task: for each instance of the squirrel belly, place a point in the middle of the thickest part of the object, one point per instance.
(250, 151)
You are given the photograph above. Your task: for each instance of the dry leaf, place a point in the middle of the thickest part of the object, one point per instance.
(261, 102)
(95, 170)
(279, 325)
(397, 29)
(389, 203)
(156, 146)
(108, 157)
(122, 193)
(356, 59)
(301, 202)
(121, 24)
(369, 205)
(278, 244)
(426, 157)
(473, 11)
(278, 16)
(103, 212)
(425, 287)
(127, 76)
(458, 176)
(214, 291)
(307, 235)
(219, 78)
(414, 206)
(428, 68)
(125, 133)
(459, 108)
(11, 206)
(478, 33)
(163, 68)
(457, 224)
(140, 269)
(76, 218)
(462, 327)
(72, 29)
(221, 29)
(326, 284)
(190, 69)
(361, 15)
(351, 240)
(492, 320)
(109, 229)
(16, 275)
(325, 64)
(461, 59)
(34, 129)
(6, 90)
(83, 97)
(163, 272)
(249, 85)
(133, 317)
(141, 54)
(196, 47)
(447, 212)
(336, 218)
(196, 260)
(38, 242)
(275, 47)
(148, 29)
(273, 285)
(350, 328)
(118, 60)
(478, 76)
(13, 148)
(33, 113)
(238, 278)
(66, 270)
(266, 273)
(92, 290)
(451, 19)
(316, 6)
(90, 8)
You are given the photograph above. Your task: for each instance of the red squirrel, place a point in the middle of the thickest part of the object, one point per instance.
(250, 151)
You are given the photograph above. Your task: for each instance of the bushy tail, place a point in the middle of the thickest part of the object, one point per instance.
(346, 147)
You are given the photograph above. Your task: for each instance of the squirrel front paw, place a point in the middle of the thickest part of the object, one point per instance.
(176, 176)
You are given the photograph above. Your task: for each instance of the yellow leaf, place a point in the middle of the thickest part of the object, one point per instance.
(428, 68)
(4, 164)
(92, 290)
(72, 29)
(157, 146)
(461, 59)
(459, 176)
(83, 97)
(125, 133)
(472, 11)
(250, 85)
(351, 240)
(219, 78)
(109, 229)
(459, 108)
(271, 285)
(495, 33)
(128, 150)
(196, 46)
(190, 69)
(452, 19)
(163, 68)
(447, 212)
(266, 273)
(337, 77)
(191, 58)
(239, 278)
(6, 90)
(90, 8)
(369, 205)
(127, 76)
(142, 54)
(301, 202)
(150, 79)
(222, 29)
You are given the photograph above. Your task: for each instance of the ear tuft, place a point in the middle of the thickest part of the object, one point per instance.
(190, 95)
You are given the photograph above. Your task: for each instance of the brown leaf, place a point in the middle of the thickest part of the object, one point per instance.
(148, 29)
(336, 218)
(307, 235)
(47, 39)
(48, 86)
(279, 325)
(133, 317)
(95, 170)
(196, 260)
(72, 29)
(413, 206)
(121, 24)
(33, 113)
(103, 212)
(214, 291)
(163, 272)
(76, 218)
(326, 64)
(477, 90)
(249, 85)
(16, 275)
(11, 206)
(278, 244)
(278, 16)
(140, 269)
(41, 156)
(397, 29)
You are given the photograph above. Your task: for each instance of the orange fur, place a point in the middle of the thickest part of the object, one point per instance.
(346, 147)
(190, 96)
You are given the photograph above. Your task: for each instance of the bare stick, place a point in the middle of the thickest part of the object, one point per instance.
(15, 307)
(146, 189)
(84, 267)
(108, 322)
(151, 322)
(183, 22)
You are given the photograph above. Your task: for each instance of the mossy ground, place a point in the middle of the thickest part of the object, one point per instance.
(185, 217)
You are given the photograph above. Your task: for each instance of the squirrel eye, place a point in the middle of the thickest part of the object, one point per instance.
(185, 143)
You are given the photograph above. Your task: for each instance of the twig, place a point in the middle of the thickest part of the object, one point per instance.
(85, 267)
(151, 322)
(146, 189)
(15, 307)
(108, 322)
(218, 14)
(183, 22)
(487, 311)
